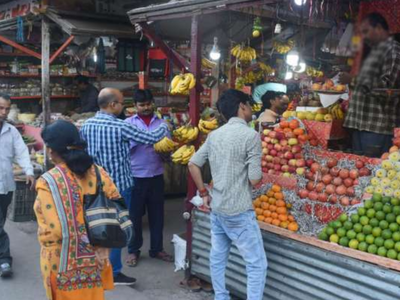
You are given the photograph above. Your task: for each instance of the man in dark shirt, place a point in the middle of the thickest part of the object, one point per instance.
(88, 95)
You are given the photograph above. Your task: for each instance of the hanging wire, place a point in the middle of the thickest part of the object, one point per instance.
(20, 30)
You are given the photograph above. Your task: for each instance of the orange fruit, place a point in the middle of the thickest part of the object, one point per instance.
(263, 198)
(276, 222)
(259, 211)
(285, 130)
(284, 225)
(291, 218)
(280, 203)
(272, 208)
(270, 193)
(278, 196)
(293, 226)
(274, 215)
(294, 124)
(272, 201)
(264, 205)
(298, 131)
(260, 218)
(284, 124)
(276, 188)
(283, 217)
(268, 220)
(267, 213)
(281, 210)
(257, 203)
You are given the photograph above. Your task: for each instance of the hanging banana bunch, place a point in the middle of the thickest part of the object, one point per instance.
(186, 134)
(165, 145)
(208, 64)
(283, 47)
(183, 155)
(181, 84)
(244, 53)
(312, 72)
(206, 126)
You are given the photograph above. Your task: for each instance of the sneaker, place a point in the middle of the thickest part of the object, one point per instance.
(5, 270)
(121, 279)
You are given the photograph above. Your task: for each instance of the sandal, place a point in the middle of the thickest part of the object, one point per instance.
(132, 260)
(164, 256)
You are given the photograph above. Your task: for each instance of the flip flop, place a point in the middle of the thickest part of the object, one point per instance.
(164, 256)
(132, 260)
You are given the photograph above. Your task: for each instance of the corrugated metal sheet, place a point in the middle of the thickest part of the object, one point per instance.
(298, 271)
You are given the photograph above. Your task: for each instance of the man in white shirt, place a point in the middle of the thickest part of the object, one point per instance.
(12, 148)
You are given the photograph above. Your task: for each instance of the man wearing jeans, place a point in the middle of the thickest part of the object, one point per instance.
(234, 154)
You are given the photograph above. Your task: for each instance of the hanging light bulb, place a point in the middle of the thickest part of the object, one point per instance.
(95, 57)
(300, 2)
(301, 67)
(288, 75)
(278, 28)
(292, 58)
(215, 54)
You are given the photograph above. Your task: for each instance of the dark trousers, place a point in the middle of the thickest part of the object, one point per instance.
(148, 195)
(371, 144)
(5, 256)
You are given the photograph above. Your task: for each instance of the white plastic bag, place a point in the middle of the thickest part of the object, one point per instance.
(180, 253)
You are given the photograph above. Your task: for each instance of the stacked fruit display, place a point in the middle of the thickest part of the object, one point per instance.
(386, 179)
(329, 86)
(329, 183)
(375, 228)
(271, 208)
(282, 149)
(181, 84)
(329, 114)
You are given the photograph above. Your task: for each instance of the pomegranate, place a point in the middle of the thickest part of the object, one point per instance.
(355, 201)
(348, 182)
(337, 181)
(313, 195)
(310, 175)
(319, 187)
(353, 174)
(322, 197)
(331, 163)
(330, 189)
(350, 191)
(344, 173)
(327, 179)
(309, 162)
(341, 190)
(359, 164)
(364, 172)
(315, 167)
(303, 194)
(324, 170)
(345, 201)
(333, 199)
(310, 186)
(334, 171)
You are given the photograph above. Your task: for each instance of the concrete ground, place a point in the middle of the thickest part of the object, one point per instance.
(156, 280)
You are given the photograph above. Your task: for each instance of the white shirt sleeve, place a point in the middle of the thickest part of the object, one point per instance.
(22, 153)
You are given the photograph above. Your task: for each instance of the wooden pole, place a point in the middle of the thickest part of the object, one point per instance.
(46, 75)
(194, 113)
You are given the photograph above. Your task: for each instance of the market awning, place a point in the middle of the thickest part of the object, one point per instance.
(93, 27)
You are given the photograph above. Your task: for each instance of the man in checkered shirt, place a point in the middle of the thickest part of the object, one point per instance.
(109, 141)
(373, 114)
(234, 154)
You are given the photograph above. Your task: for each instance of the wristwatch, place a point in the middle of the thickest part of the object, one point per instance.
(203, 192)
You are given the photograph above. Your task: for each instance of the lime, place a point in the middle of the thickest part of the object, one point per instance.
(353, 244)
(363, 246)
(397, 246)
(395, 201)
(384, 224)
(330, 224)
(391, 218)
(355, 218)
(394, 227)
(389, 244)
(371, 213)
(386, 234)
(334, 238)
(376, 197)
(362, 211)
(387, 209)
(357, 227)
(374, 222)
(361, 237)
(344, 241)
(380, 215)
(398, 220)
(396, 236)
(391, 254)
(343, 218)
(372, 249)
(377, 231)
(367, 229)
(341, 232)
(396, 210)
(337, 224)
(382, 251)
(351, 234)
(398, 256)
(369, 204)
(378, 206)
(323, 236)
(348, 225)
(386, 199)
(370, 239)
(330, 231)
(364, 220)
(379, 241)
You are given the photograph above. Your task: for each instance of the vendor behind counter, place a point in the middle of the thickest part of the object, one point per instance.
(274, 104)
(88, 95)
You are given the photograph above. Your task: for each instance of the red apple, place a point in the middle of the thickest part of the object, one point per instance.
(267, 140)
(350, 192)
(300, 163)
(280, 154)
(280, 135)
(292, 169)
(288, 155)
(283, 161)
(300, 171)
(355, 182)
(270, 146)
(269, 158)
(277, 167)
(263, 163)
(333, 199)
(289, 135)
(364, 172)
(334, 171)
(309, 162)
(310, 175)
(285, 168)
(345, 201)
(298, 156)
(355, 201)
(274, 141)
(271, 172)
(315, 167)
(292, 162)
(319, 187)
(283, 143)
(296, 149)
(273, 152)
(341, 190)
(276, 160)
(272, 134)
(331, 163)
(270, 165)
(348, 182)
(344, 173)
(327, 179)
(330, 189)
(313, 195)
(310, 186)
(322, 197)
(337, 181)
(265, 151)
(303, 194)
(353, 174)
(359, 164)
(277, 147)
(324, 170)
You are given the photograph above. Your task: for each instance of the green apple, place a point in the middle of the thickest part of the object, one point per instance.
(391, 174)
(378, 190)
(375, 181)
(394, 156)
(387, 165)
(385, 182)
(388, 192)
(395, 184)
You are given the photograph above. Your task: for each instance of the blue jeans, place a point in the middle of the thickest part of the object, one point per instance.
(115, 255)
(243, 231)
(370, 143)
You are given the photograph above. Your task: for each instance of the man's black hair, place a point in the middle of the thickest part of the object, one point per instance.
(268, 96)
(228, 103)
(142, 95)
(5, 96)
(375, 19)
(82, 79)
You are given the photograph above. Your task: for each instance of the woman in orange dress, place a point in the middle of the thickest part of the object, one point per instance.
(72, 269)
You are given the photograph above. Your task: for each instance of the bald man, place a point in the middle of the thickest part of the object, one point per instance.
(109, 141)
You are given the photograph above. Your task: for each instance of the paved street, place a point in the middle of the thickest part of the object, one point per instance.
(156, 280)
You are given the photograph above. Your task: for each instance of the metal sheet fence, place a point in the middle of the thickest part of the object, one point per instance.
(298, 271)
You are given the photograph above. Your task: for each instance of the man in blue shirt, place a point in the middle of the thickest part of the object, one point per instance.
(109, 141)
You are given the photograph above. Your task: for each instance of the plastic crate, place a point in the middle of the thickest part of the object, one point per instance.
(21, 207)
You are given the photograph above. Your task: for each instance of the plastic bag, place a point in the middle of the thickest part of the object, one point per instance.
(180, 253)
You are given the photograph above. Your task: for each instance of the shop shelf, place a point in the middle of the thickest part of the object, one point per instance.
(39, 76)
(39, 97)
